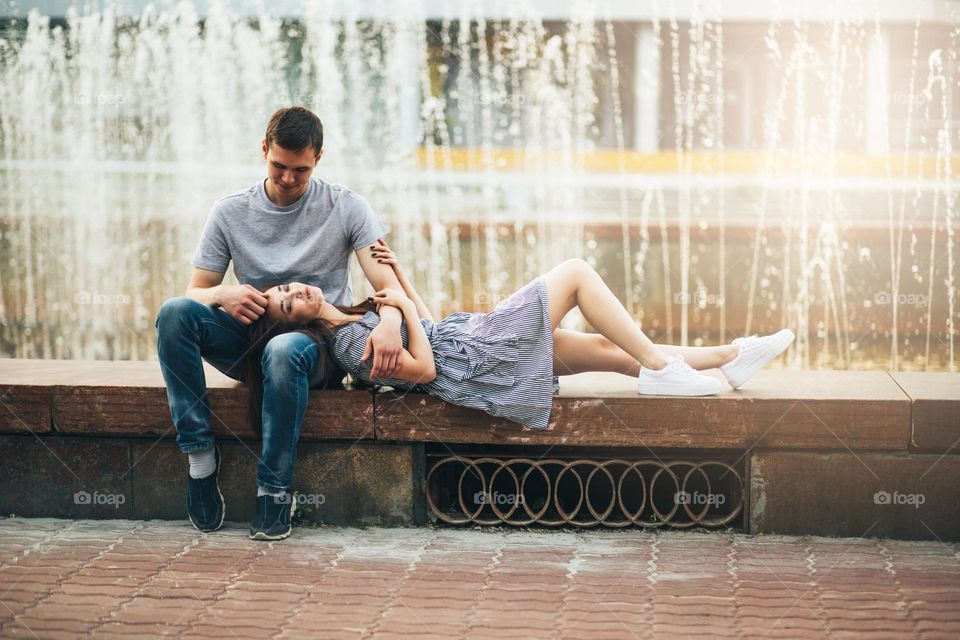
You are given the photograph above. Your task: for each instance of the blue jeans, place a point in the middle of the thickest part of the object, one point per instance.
(187, 331)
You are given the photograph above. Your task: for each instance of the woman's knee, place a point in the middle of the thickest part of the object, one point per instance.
(577, 264)
(579, 269)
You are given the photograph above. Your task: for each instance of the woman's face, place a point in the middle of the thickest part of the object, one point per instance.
(294, 303)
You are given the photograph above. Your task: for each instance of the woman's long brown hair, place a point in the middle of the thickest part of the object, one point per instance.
(263, 330)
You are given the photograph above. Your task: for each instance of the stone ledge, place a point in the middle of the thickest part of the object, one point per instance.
(361, 483)
(863, 410)
(129, 399)
(935, 421)
(835, 493)
(778, 409)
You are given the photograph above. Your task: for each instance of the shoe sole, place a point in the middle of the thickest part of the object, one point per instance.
(763, 359)
(674, 389)
(260, 535)
(223, 510)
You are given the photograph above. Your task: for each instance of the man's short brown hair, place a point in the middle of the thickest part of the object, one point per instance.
(295, 129)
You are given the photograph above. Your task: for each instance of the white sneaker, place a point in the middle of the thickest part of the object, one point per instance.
(755, 352)
(676, 379)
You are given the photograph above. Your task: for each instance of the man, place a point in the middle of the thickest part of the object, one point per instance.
(288, 227)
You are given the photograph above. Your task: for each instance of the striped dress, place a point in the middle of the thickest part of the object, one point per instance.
(499, 362)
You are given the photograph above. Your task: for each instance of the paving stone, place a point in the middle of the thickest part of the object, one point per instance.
(368, 583)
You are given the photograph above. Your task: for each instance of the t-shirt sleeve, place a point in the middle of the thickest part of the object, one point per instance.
(212, 252)
(360, 223)
(348, 345)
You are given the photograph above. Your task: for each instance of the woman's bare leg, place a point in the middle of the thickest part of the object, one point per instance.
(576, 352)
(701, 358)
(574, 283)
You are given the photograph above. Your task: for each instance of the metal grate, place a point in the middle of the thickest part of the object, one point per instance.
(584, 492)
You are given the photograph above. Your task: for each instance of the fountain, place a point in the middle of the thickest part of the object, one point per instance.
(494, 147)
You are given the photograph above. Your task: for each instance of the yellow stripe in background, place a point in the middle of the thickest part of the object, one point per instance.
(706, 162)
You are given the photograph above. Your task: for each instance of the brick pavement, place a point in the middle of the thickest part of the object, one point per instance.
(127, 579)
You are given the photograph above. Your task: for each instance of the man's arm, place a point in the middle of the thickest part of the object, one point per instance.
(382, 253)
(385, 340)
(244, 303)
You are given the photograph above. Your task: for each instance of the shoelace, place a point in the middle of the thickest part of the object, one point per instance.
(678, 364)
(747, 341)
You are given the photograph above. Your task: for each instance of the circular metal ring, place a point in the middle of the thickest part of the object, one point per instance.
(473, 517)
(551, 491)
(695, 519)
(668, 519)
(601, 518)
(719, 521)
(516, 483)
(533, 517)
(568, 518)
(433, 506)
(643, 492)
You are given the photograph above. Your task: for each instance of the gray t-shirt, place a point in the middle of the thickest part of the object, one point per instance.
(309, 241)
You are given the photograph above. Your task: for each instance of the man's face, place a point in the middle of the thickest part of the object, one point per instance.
(289, 171)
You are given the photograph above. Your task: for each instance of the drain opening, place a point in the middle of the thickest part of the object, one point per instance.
(585, 492)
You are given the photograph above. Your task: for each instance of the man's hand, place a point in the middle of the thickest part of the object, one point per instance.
(244, 303)
(386, 345)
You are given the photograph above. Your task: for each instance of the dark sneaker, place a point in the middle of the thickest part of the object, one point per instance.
(204, 500)
(274, 515)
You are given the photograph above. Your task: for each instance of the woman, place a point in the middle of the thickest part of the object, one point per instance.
(506, 362)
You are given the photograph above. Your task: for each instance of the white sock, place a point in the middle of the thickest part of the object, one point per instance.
(202, 463)
(268, 492)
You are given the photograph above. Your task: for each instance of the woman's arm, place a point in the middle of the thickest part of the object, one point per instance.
(382, 253)
(418, 364)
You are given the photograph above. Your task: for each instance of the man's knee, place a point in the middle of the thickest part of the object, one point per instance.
(175, 310)
(287, 352)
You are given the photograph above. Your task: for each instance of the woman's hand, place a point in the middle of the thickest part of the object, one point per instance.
(392, 298)
(382, 253)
